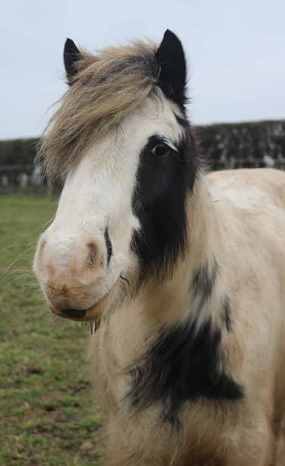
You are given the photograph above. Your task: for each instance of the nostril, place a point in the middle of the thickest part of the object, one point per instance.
(92, 254)
(108, 245)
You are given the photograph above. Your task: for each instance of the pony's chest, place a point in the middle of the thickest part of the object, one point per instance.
(168, 377)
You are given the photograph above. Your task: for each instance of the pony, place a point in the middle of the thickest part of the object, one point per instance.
(180, 272)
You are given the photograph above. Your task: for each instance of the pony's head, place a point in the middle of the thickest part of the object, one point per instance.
(122, 144)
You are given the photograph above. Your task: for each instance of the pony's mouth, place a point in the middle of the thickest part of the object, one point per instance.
(85, 315)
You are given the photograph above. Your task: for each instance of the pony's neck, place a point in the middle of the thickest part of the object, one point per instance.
(182, 296)
(180, 357)
(202, 226)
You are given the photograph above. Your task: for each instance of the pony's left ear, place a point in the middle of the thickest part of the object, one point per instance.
(171, 59)
(71, 55)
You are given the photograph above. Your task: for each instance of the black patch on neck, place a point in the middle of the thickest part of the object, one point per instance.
(204, 280)
(159, 202)
(182, 366)
(202, 285)
(226, 314)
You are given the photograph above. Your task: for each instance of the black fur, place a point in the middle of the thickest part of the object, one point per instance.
(171, 59)
(182, 121)
(204, 281)
(159, 202)
(71, 55)
(182, 366)
(108, 246)
(202, 286)
(227, 314)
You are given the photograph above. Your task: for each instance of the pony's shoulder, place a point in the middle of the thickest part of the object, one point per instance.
(249, 187)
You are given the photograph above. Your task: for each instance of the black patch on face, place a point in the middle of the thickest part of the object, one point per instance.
(108, 246)
(182, 366)
(159, 202)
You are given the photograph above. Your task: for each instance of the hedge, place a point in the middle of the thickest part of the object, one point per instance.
(248, 144)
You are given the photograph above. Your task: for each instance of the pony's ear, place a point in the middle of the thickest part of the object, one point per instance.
(171, 59)
(71, 55)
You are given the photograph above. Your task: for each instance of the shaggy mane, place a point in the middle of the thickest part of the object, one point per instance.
(106, 88)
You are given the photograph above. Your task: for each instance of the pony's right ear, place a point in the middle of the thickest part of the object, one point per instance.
(71, 55)
(171, 59)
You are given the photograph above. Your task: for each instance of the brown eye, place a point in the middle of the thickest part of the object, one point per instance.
(162, 150)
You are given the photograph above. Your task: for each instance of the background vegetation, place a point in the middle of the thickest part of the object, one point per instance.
(47, 415)
(245, 144)
(18, 151)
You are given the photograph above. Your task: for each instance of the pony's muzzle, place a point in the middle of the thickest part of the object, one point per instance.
(72, 274)
(83, 315)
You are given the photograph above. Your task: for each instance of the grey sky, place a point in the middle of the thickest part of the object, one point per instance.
(235, 50)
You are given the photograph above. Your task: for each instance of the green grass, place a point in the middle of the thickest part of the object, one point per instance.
(47, 415)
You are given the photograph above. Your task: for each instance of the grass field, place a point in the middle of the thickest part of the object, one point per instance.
(47, 417)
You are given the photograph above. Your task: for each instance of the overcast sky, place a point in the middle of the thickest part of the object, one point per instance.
(235, 51)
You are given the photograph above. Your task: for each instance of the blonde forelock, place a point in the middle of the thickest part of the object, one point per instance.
(106, 88)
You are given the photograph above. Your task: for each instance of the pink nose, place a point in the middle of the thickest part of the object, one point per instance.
(70, 271)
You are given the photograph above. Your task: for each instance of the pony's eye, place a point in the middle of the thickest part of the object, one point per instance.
(161, 150)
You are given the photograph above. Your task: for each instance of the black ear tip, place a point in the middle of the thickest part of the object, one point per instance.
(69, 45)
(71, 55)
(169, 35)
(171, 58)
